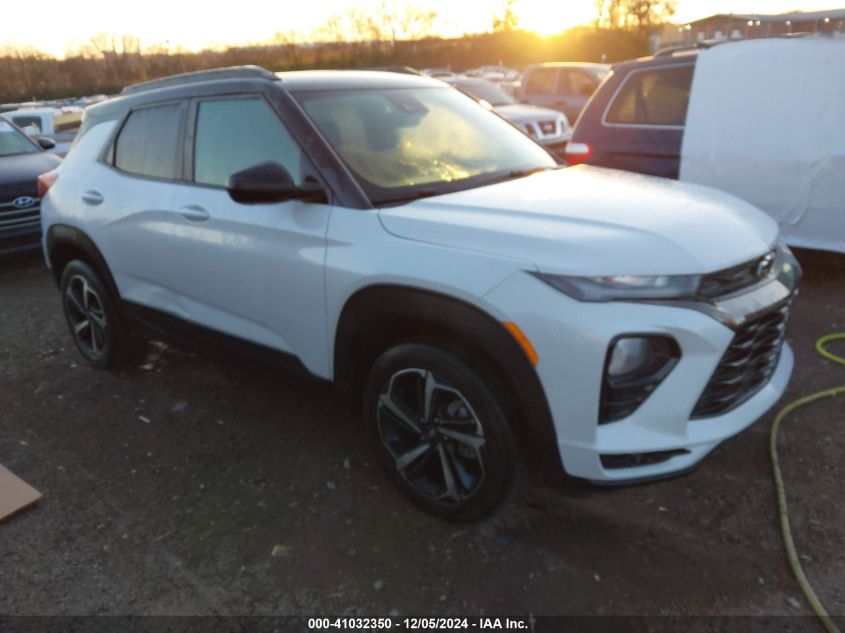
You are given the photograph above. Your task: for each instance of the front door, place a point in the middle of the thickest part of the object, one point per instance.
(252, 271)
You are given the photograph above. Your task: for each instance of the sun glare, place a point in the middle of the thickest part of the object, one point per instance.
(551, 18)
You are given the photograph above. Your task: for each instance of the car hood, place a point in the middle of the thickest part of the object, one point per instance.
(521, 112)
(588, 220)
(19, 173)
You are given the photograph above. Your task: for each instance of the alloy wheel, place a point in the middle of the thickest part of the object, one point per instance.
(433, 435)
(86, 315)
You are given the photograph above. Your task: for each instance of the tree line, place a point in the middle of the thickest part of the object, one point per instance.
(355, 39)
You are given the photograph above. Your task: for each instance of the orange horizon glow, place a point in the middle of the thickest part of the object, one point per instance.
(192, 26)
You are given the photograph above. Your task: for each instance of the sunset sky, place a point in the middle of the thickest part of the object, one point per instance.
(57, 25)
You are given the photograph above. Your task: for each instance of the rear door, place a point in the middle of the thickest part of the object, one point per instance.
(127, 201)
(641, 127)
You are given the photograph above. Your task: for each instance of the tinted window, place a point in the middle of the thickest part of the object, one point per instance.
(150, 141)
(542, 81)
(233, 134)
(658, 97)
(26, 121)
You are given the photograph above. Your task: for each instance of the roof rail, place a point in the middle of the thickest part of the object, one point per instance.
(667, 52)
(235, 72)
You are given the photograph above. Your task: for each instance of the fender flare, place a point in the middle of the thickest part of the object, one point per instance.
(61, 236)
(467, 324)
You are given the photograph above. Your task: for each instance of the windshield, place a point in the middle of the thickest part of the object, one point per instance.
(490, 92)
(13, 142)
(404, 143)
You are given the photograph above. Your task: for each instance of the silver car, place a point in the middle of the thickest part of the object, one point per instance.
(548, 127)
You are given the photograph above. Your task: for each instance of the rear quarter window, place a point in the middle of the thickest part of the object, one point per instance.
(653, 97)
(149, 143)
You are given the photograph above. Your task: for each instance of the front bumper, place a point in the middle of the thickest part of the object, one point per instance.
(572, 339)
(20, 240)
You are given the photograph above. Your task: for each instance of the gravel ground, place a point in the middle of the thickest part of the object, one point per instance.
(169, 486)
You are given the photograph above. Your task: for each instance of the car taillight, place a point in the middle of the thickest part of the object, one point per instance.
(45, 181)
(578, 153)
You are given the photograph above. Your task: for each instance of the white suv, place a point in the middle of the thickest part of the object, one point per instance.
(387, 233)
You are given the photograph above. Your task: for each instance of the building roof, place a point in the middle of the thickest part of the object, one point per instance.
(793, 16)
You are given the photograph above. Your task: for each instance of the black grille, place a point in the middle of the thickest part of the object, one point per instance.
(632, 460)
(13, 218)
(747, 364)
(724, 282)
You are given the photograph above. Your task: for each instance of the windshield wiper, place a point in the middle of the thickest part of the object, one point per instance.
(427, 193)
(408, 197)
(517, 173)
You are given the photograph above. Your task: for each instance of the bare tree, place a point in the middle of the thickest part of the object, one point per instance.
(289, 42)
(637, 15)
(507, 20)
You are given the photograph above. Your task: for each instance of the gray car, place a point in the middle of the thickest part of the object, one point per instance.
(548, 127)
(564, 86)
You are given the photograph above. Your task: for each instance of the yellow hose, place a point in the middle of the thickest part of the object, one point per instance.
(792, 555)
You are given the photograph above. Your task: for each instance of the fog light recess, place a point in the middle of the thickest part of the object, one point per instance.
(634, 367)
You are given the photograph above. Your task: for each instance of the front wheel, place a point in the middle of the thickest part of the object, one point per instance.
(439, 431)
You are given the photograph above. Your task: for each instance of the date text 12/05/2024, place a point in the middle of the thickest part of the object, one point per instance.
(431, 624)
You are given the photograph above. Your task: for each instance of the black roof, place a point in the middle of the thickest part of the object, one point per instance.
(201, 76)
(250, 79)
(353, 80)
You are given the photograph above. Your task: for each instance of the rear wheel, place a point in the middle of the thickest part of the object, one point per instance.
(439, 431)
(92, 316)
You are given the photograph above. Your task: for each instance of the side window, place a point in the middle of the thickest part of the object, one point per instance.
(579, 83)
(150, 141)
(542, 81)
(233, 134)
(26, 121)
(658, 97)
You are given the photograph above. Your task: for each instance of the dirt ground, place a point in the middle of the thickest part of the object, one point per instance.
(168, 485)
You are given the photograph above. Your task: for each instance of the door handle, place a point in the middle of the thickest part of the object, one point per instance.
(92, 197)
(194, 213)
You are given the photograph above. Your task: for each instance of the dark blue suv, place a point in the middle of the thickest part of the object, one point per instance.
(635, 120)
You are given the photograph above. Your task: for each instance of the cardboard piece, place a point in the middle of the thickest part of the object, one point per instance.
(15, 494)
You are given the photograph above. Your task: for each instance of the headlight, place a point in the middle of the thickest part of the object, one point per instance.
(620, 287)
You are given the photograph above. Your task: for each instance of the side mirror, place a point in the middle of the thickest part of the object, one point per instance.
(46, 143)
(270, 182)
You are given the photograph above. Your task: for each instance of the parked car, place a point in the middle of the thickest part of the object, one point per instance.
(746, 117)
(562, 86)
(494, 73)
(438, 73)
(54, 123)
(386, 233)
(548, 127)
(22, 160)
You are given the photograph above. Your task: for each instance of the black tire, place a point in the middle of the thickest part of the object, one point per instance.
(104, 342)
(467, 431)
